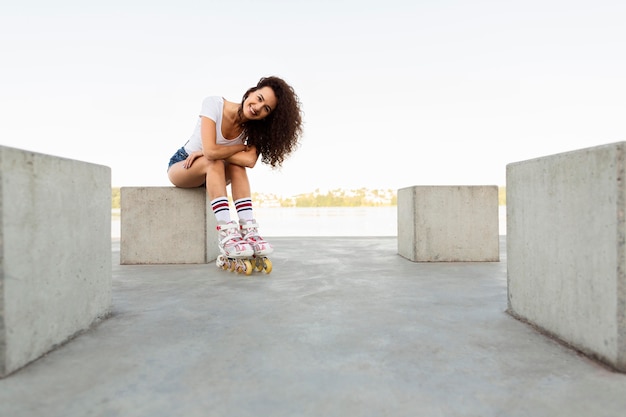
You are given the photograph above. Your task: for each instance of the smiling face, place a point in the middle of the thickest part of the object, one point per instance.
(259, 104)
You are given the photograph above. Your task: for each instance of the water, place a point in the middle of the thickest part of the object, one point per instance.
(329, 221)
(325, 221)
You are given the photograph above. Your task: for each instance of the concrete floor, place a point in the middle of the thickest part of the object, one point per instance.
(342, 327)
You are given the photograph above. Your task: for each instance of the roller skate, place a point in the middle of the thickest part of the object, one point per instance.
(236, 253)
(262, 248)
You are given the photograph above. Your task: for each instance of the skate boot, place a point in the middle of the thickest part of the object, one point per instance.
(235, 252)
(262, 248)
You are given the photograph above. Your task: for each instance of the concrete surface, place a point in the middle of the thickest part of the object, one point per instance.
(566, 245)
(55, 258)
(342, 327)
(448, 223)
(167, 225)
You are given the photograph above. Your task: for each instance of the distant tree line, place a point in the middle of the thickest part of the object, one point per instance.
(343, 198)
(335, 198)
(115, 197)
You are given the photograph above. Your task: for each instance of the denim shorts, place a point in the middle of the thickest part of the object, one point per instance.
(180, 155)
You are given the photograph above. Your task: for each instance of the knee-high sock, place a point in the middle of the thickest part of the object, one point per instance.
(244, 209)
(221, 209)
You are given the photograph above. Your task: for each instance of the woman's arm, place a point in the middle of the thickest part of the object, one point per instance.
(245, 158)
(210, 148)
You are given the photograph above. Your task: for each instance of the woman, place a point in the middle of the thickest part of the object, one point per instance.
(227, 140)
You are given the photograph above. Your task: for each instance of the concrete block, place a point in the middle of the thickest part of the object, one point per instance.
(55, 252)
(566, 232)
(448, 223)
(166, 225)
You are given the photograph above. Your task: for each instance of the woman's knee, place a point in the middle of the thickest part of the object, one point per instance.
(214, 166)
(236, 171)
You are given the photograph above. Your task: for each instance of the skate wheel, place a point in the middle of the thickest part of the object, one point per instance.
(258, 264)
(267, 265)
(244, 267)
(222, 262)
(232, 265)
(248, 267)
(219, 262)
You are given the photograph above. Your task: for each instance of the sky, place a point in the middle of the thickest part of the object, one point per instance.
(394, 93)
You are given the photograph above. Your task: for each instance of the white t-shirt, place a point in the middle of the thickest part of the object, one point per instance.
(213, 108)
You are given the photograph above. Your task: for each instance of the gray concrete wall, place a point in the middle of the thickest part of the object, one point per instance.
(55, 252)
(166, 225)
(565, 244)
(448, 223)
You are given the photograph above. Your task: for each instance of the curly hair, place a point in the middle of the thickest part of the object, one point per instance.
(277, 135)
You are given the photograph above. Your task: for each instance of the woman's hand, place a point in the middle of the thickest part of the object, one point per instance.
(192, 157)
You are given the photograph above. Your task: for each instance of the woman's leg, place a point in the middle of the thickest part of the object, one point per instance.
(240, 186)
(202, 171)
(213, 175)
(215, 179)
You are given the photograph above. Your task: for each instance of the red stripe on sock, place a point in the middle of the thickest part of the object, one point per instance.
(243, 206)
(220, 205)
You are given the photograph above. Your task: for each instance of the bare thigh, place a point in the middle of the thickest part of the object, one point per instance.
(194, 176)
